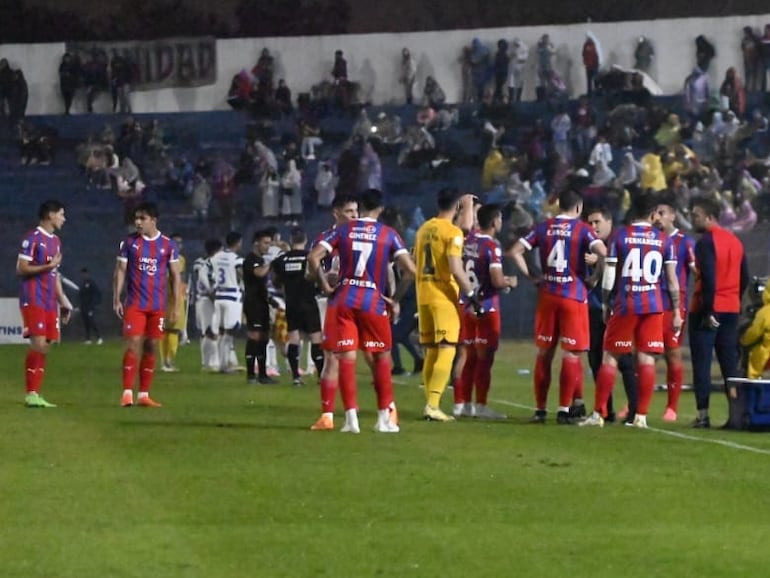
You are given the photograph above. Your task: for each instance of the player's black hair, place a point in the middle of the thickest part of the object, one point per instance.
(487, 215)
(602, 209)
(447, 198)
(148, 208)
(175, 234)
(297, 236)
(668, 197)
(211, 246)
(569, 199)
(708, 205)
(370, 200)
(643, 205)
(49, 206)
(232, 238)
(261, 234)
(272, 231)
(343, 199)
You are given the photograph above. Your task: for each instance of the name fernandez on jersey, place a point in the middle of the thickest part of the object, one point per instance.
(638, 252)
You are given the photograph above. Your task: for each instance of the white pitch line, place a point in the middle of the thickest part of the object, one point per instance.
(682, 436)
(718, 442)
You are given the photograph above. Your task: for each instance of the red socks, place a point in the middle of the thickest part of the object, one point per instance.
(383, 383)
(147, 369)
(347, 383)
(328, 394)
(458, 388)
(646, 379)
(571, 374)
(130, 369)
(674, 381)
(469, 375)
(542, 381)
(483, 376)
(605, 381)
(34, 370)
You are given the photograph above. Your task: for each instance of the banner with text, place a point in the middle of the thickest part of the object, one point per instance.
(10, 321)
(164, 63)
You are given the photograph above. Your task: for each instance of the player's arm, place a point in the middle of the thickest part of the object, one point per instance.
(516, 253)
(595, 258)
(261, 271)
(175, 295)
(118, 282)
(465, 217)
(744, 275)
(25, 268)
(315, 270)
(64, 303)
(673, 293)
(705, 256)
(608, 284)
(499, 280)
(407, 271)
(458, 272)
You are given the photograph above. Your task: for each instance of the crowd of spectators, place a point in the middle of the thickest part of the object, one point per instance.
(611, 143)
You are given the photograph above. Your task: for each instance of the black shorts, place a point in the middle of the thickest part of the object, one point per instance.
(257, 316)
(303, 317)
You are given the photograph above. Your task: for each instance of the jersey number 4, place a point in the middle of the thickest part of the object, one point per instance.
(556, 259)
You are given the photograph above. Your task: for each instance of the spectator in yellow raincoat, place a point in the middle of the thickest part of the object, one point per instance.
(652, 176)
(757, 338)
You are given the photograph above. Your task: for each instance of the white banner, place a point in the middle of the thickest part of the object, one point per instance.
(10, 321)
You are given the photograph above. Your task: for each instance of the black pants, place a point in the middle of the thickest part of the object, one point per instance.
(703, 342)
(89, 324)
(626, 365)
(402, 331)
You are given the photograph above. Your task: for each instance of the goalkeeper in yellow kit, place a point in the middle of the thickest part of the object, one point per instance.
(440, 281)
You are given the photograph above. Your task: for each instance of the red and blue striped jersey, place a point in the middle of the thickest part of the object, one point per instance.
(147, 264)
(39, 247)
(684, 250)
(563, 242)
(639, 252)
(328, 262)
(365, 248)
(481, 253)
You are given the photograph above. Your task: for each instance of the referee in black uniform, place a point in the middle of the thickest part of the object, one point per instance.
(256, 307)
(301, 307)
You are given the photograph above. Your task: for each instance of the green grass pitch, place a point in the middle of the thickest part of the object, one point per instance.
(226, 480)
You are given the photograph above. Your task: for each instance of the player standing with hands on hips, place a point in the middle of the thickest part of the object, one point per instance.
(42, 295)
